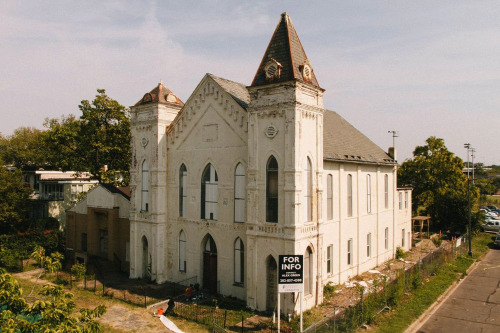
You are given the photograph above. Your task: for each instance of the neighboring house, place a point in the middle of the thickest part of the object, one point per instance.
(56, 191)
(98, 225)
(225, 183)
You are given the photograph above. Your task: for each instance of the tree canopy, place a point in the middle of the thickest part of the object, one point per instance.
(97, 142)
(24, 149)
(439, 185)
(14, 200)
(52, 311)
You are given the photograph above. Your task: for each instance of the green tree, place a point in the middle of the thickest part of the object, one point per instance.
(14, 201)
(52, 311)
(62, 143)
(97, 142)
(439, 185)
(24, 149)
(105, 135)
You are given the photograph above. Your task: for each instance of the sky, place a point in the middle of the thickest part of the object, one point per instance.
(421, 68)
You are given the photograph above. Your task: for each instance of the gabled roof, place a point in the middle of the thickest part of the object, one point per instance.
(113, 189)
(238, 91)
(160, 94)
(343, 142)
(286, 49)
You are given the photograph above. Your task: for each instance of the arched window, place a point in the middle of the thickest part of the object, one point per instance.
(239, 261)
(308, 272)
(349, 195)
(368, 194)
(272, 190)
(145, 186)
(209, 181)
(239, 193)
(182, 251)
(182, 190)
(386, 191)
(308, 187)
(329, 197)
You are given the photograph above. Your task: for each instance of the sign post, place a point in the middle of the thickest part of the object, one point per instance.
(290, 279)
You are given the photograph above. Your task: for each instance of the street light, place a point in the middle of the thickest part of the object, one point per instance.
(467, 145)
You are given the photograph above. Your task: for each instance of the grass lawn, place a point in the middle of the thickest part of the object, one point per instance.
(418, 301)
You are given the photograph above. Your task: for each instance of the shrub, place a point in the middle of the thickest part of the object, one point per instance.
(437, 241)
(399, 253)
(329, 289)
(78, 271)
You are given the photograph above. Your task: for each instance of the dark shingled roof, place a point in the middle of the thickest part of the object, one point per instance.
(160, 94)
(113, 189)
(238, 91)
(343, 142)
(285, 48)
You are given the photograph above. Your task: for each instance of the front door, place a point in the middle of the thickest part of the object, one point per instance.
(210, 266)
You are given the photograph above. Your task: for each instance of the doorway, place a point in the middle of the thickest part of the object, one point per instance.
(271, 284)
(210, 265)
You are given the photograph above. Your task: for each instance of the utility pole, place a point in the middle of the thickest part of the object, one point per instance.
(473, 150)
(467, 145)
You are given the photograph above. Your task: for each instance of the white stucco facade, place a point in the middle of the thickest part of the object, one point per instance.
(309, 187)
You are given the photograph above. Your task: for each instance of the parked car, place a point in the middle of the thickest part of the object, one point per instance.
(496, 243)
(492, 207)
(491, 226)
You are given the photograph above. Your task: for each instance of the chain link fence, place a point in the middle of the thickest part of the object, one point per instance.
(384, 293)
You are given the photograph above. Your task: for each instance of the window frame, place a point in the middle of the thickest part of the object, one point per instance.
(182, 190)
(272, 194)
(209, 193)
(369, 245)
(145, 186)
(182, 251)
(239, 262)
(329, 259)
(239, 200)
(349, 252)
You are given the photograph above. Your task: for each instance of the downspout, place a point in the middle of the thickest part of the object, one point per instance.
(318, 250)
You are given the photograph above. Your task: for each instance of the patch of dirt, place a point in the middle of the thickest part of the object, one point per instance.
(348, 293)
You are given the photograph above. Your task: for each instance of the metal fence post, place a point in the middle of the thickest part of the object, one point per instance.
(334, 318)
(362, 305)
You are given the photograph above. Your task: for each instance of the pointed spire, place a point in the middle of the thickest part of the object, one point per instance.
(285, 58)
(160, 94)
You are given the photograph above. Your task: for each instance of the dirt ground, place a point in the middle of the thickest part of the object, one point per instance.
(118, 317)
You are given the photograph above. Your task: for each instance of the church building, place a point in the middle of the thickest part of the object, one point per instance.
(239, 174)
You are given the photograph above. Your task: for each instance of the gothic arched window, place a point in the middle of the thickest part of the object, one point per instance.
(209, 194)
(239, 193)
(182, 190)
(272, 190)
(145, 186)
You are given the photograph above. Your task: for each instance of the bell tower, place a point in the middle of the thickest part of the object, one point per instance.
(285, 155)
(150, 117)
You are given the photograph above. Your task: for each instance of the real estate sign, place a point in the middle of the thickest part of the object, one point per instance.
(291, 273)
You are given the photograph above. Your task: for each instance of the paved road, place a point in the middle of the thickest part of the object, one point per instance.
(474, 306)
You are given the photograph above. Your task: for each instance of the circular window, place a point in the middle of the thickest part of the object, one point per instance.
(306, 72)
(271, 131)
